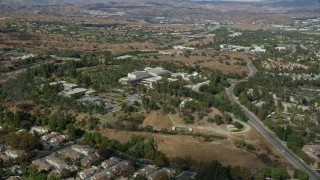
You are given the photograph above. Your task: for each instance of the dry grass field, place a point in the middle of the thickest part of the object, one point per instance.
(221, 150)
(213, 60)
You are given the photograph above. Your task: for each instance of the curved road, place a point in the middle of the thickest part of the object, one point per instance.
(270, 136)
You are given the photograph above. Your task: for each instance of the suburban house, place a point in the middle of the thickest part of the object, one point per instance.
(149, 169)
(168, 171)
(58, 139)
(47, 137)
(56, 162)
(110, 162)
(42, 165)
(313, 151)
(123, 167)
(39, 130)
(88, 160)
(87, 173)
(82, 149)
(14, 153)
(71, 154)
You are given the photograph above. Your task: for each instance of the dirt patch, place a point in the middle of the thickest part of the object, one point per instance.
(157, 120)
(224, 152)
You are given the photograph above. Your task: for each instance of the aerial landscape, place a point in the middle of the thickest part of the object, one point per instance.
(159, 90)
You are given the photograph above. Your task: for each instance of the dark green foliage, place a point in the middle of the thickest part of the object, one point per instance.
(22, 140)
(213, 171)
(137, 147)
(238, 125)
(274, 173)
(298, 174)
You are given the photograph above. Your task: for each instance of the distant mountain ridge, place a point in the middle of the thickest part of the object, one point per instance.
(27, 5)
(262, 2)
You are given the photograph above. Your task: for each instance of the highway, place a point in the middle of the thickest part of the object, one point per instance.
(270, 136)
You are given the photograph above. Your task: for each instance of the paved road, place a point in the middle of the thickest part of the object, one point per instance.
(270, 136)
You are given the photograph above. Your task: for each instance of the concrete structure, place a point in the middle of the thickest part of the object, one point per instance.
(235, 34)
(76, 92)
(281, 48)
(157, 71)
(125, 57)
(183, 129)
(149, 82)
(91, 100)
(196, 87)
(134, 77)
(90, 92)
(69, 86)
(184, 102)
(39, 130)
(183, 48)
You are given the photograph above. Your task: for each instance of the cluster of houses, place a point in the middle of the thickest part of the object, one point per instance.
(150, 172)
(149, 76)
(314, 152)
(252, 49)
(67, 163)
(49, 139)
(7, 154)
(235, 34)
(176, 50)
(85, 163)
(15, 55)
(280, 63)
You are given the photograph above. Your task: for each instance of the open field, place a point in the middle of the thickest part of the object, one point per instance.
(222, 150)
(213, 60)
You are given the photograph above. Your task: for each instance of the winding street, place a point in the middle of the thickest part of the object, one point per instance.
(270, 136)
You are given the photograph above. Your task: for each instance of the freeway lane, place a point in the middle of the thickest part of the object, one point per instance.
(269, 135)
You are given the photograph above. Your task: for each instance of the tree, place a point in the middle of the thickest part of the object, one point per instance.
(162, 176)
(212, 170)
(108, 57)
(53, 176)
(140, 177)
(238, 172)
(298, 174)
